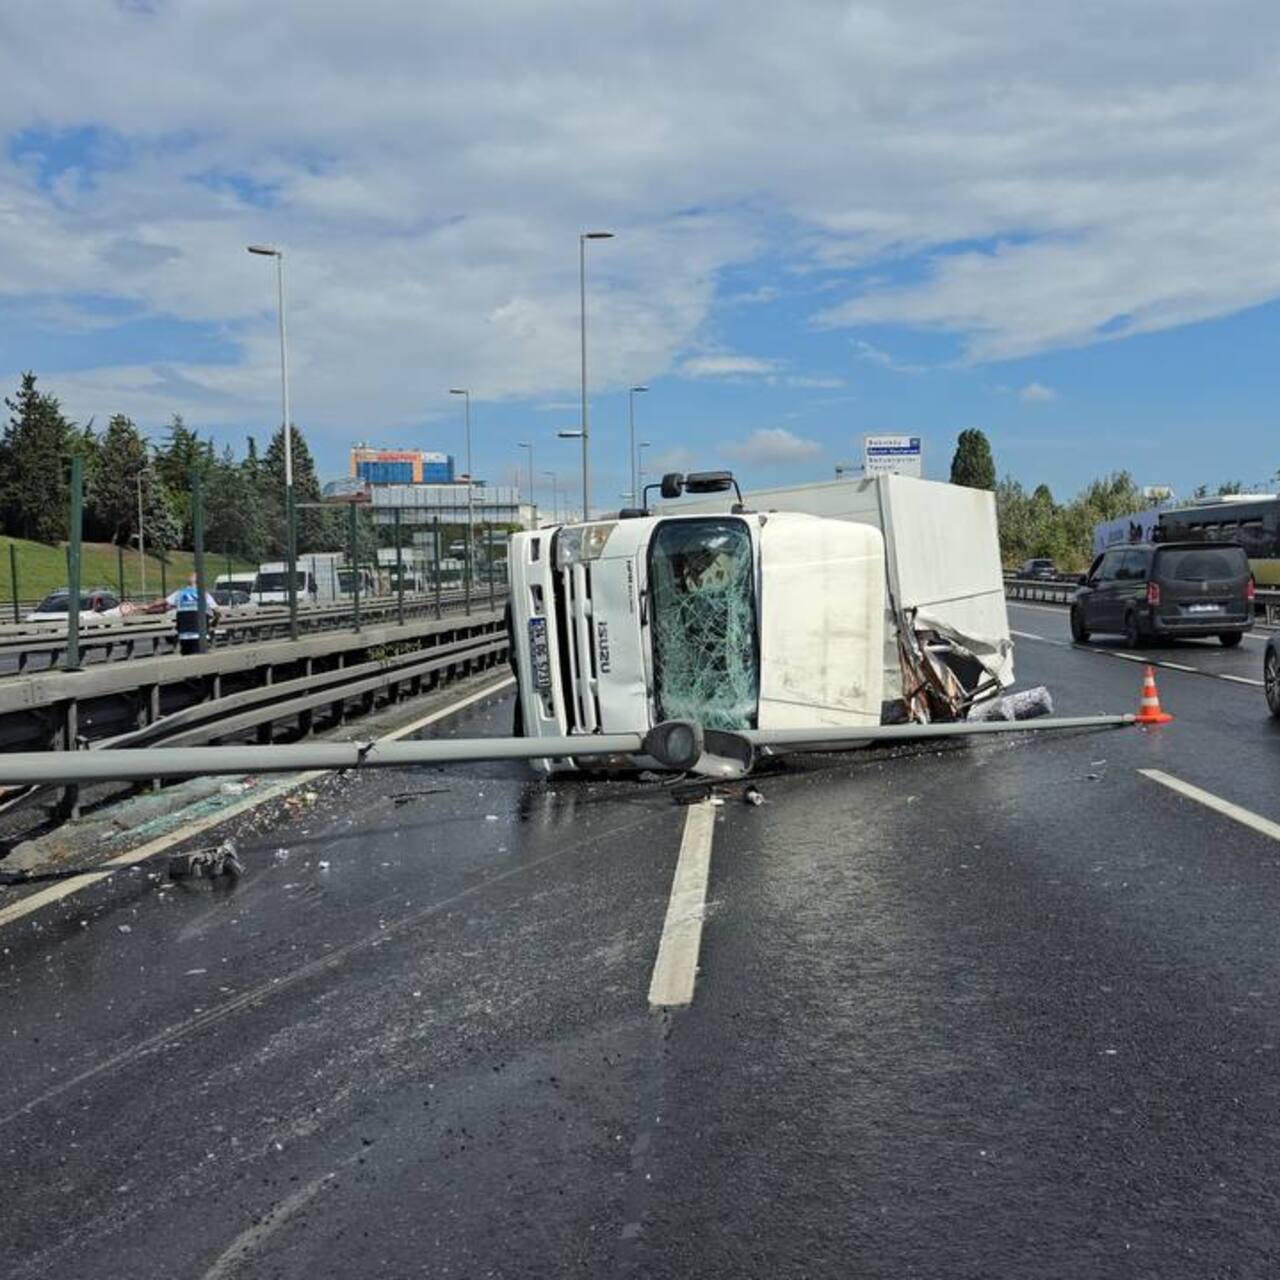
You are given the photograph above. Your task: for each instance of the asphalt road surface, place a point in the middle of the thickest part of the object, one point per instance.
(1003, 1009)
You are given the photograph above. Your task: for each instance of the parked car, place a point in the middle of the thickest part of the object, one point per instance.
(98, 601)
(1271, 676)
(1167, 589)
(1040, 569)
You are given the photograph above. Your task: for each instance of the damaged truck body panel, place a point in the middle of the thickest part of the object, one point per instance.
(822, 625)
(942, 565)
(836, 606)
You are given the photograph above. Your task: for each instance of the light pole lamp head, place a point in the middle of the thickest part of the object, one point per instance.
(570, 434)
(459, 391)
(266, 250)
(597, 235)
(635, 389)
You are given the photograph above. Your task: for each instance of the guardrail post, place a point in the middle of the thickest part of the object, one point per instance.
(13, 576)
(489, 554)
(466, 573)
(66, 735)
(291, 550)
(399, 568)
(73, 565)
(435, 547)
(197, 542)
(355, 564)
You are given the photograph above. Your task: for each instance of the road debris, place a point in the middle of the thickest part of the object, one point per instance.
(1027, 704)
(212, 862)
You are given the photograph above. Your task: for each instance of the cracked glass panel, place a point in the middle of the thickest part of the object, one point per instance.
(706, 658)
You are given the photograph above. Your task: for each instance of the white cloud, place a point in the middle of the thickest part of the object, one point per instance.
(806, 381)
(873, 355)
(752, 297)
(429, 168)
(1037, 393)
(772, 444)
(727, 366)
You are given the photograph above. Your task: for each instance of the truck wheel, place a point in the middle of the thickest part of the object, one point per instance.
(1271, 681)
(1079, 632)
(1132, 631)
(1230, 639)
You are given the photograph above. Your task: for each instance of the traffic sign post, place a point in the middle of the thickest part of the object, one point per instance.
(893, 455)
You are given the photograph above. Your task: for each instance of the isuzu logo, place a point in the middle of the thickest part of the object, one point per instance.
(602, 646)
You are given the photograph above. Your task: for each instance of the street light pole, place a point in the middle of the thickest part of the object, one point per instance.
(640, 448)
(631, 449)
(291, 536)
(466, 395)
(533, 499)
(582, 315)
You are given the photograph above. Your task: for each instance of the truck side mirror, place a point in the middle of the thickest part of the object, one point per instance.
(708, 481)
(672, 484)
(677, 744)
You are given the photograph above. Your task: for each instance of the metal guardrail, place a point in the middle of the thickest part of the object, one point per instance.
(299, 698)
(1038, 589)
(321, 672)
(1267, 599)
(119, 639)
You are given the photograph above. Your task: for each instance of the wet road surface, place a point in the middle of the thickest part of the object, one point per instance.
(1003, 1009)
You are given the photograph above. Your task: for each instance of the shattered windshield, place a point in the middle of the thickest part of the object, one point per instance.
(705, 656)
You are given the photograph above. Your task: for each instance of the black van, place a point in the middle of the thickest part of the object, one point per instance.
(1166, 589)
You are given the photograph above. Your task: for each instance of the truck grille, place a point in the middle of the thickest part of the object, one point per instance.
(577, 653)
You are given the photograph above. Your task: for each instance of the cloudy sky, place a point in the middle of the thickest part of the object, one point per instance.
(1059, 222)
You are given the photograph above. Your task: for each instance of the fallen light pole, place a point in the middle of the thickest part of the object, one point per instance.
(676, 744)
(779, 740)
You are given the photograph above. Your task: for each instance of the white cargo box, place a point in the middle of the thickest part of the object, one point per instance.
(942, 555)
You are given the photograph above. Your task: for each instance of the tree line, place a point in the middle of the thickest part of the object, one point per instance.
(1035, 524)
(243, 499)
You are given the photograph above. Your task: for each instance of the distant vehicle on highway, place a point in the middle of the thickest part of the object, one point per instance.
(1168, 589)
(315, 579)
(229, 598)
(234, 582)
(99, 601)
(1271, 675)
(348, 578)
(1039, 568)
(1249, 520)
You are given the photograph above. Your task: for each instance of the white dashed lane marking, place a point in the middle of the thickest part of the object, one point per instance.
(1225, 807)
(1146, 659)
(676, 968)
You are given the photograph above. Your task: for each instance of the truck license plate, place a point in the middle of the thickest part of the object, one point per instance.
(539, 656)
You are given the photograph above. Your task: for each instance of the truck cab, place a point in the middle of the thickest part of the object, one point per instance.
(736, 621)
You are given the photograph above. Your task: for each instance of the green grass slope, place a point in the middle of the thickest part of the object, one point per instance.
(42, 568)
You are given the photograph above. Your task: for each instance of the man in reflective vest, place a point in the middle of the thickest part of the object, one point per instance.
(186, 604)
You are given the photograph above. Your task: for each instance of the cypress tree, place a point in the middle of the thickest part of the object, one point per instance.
(972, 464)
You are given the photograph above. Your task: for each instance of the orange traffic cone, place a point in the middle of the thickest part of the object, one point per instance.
(1149, 711)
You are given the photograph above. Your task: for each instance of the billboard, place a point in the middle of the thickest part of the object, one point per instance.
(892, 455)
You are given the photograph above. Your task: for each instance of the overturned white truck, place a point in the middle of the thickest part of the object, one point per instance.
(852, 603)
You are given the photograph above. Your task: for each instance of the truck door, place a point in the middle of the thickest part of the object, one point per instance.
(822, 623)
